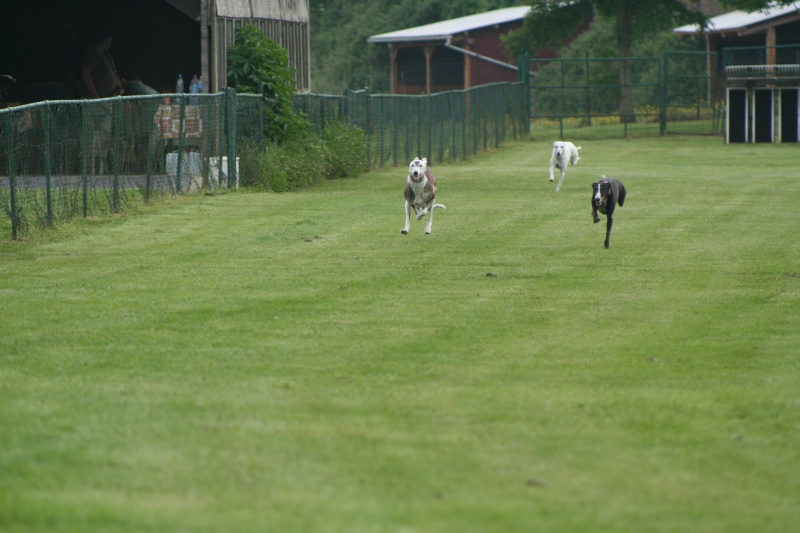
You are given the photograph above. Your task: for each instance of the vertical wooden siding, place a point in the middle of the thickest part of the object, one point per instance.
(286, 22)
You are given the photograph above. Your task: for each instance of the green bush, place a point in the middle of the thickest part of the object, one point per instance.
(337, 151)
(259, 65)
(344, 149)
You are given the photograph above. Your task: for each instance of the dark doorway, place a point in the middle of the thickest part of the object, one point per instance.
(737, 115)
(763, 114)
(789, 115)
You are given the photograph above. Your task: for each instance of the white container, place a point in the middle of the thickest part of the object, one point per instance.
(214, 175)
(191, 164)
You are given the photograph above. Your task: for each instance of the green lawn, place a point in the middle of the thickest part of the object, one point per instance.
(265, 362)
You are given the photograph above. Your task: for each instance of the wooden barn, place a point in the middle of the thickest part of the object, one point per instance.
(42, 41)
(758, 62)
(452, 54)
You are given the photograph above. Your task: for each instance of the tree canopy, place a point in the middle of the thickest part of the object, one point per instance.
(754, 5)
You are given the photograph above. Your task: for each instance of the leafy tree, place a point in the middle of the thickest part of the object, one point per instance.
(550, 22)
(600, 42)
(755, 5)
(342, 59)
(259, 65)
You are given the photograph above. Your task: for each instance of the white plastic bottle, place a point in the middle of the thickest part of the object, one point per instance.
(193, 90)
(179, 84)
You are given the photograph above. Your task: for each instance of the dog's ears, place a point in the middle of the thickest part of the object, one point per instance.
(424, 160)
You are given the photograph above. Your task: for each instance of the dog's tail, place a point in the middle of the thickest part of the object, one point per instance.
(438, 206)
(578, 147)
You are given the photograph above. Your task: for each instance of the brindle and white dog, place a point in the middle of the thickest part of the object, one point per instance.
(420, 193)
(606, 194)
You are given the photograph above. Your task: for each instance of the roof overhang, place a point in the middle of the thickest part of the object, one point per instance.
(190, 8)
(450, 29)
(743, 23)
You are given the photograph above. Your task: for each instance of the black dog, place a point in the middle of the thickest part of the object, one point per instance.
(606, 194)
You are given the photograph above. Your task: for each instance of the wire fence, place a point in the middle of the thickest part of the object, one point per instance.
(607, 97)
(444, 126)
(62, 159)
(786, 54)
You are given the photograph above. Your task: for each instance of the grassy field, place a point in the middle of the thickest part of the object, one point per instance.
(265, 362)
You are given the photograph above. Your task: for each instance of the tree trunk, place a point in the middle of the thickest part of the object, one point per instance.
(624, 48)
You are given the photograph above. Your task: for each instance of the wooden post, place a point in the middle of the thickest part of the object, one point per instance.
(467, 68)
(205, 49)
(771, 46)
(393, 54)
(428, 55)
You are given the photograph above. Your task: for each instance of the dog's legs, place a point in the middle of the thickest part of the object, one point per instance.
(609, 223)
(429, 227)
(560, 180)
(552, 166)
(404, 231)
(594, 214)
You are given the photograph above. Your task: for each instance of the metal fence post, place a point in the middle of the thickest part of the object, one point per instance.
(85, 158)
(231, 109)
(524, 70)
(181, 135)
(152, 142)
(47, 169)
(588, 91)
(117, 133)
(429, 150)
(12, 178)
(381, 129)
(663, 74)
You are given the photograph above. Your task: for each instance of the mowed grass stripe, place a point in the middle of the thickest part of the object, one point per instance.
(292, 362)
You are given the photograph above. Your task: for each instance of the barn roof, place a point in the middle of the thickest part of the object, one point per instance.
(439, 31)
(285, 10)
(742, 21)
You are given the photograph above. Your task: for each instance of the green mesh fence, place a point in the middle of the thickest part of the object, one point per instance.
(787, 54)
(585, 93)
(443, 126)
(693, 100)
(676, 93)
(62, 159)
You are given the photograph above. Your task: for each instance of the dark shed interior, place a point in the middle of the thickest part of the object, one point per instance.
(42, 44)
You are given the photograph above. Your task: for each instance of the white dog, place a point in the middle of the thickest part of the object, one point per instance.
(420, 193)
(564, 152)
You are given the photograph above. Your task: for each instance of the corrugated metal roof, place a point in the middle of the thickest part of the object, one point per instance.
(447, 28)
(286, 10)
(740, 20)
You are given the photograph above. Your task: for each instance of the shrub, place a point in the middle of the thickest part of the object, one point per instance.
(337, 151)
(345, 150)
(259, 65)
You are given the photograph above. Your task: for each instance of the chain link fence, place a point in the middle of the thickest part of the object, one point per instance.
(444, 126)
(61, 159)
(676, 93)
